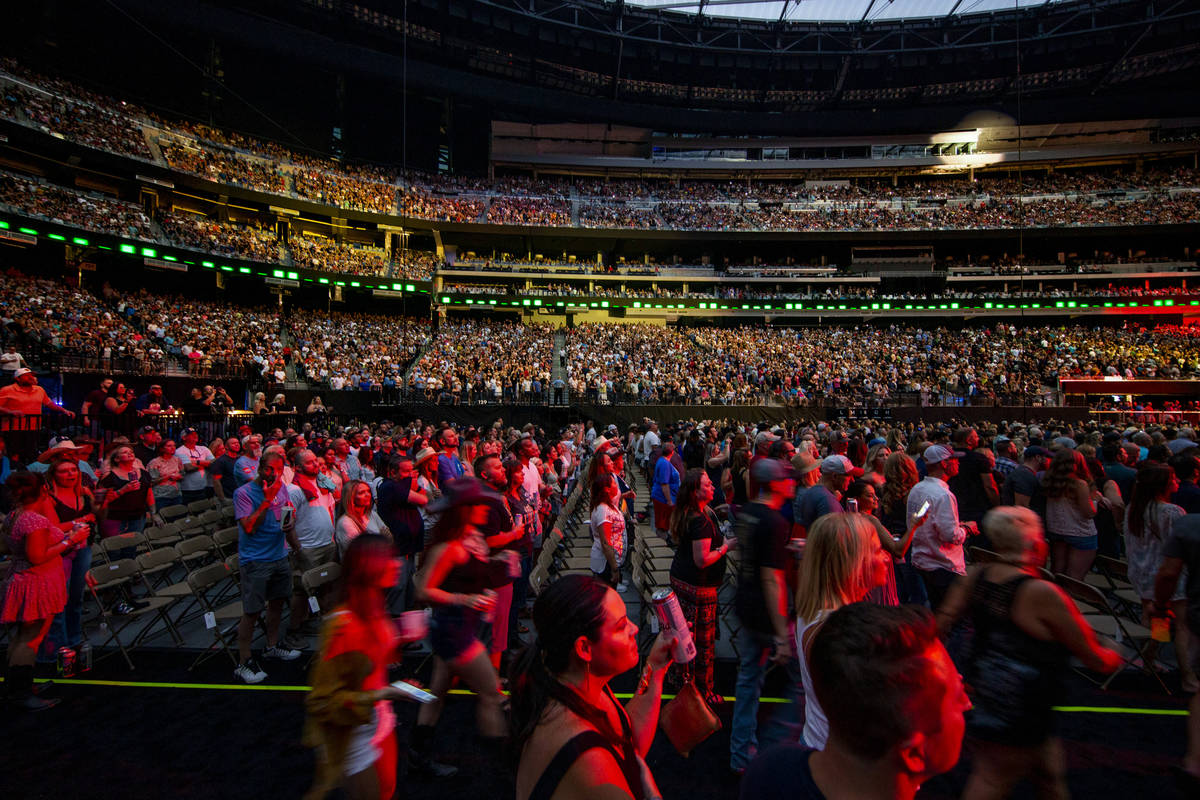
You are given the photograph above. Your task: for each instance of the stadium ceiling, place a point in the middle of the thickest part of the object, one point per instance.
(835, 10)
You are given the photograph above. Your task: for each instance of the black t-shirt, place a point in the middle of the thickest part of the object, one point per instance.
(1023, 480)
(95, 400)
(683, 565)
(1184, 544)
(693, 455)
(763, 538)
(131, 505)
(781, 773)
(145, 454)
(223, 469)
(402, 517)
(967, 486)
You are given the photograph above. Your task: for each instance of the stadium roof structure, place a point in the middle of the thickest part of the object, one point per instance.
(836, 10)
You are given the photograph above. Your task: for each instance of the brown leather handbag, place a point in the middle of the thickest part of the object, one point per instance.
(687, 720)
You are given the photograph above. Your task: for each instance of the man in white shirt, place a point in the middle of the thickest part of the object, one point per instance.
(314, 510)
(937, 547)
(196, 459)
(650, 443)
(11, 361)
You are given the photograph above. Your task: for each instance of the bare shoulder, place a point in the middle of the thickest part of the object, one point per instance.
(594, 774)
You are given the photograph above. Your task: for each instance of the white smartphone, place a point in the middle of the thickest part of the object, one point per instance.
(922, 511)
(414, 692)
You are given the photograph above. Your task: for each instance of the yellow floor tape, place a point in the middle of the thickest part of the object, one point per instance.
(262, 687)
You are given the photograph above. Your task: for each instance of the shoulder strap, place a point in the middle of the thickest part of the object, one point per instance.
(567, 755)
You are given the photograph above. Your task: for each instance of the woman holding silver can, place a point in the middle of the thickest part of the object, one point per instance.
(573, 738)
(697, 571)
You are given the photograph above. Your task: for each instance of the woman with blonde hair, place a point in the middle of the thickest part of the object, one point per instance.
(877, 458)
(259, 406)
(843, 561)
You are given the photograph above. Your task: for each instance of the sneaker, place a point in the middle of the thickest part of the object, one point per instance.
(250, 672)
(35, 703)
(622, 587)
(282, 652)
(293, 640)
(122, 608)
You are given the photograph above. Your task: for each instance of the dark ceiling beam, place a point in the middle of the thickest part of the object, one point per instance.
(871, 5)
(950, 13)
(783, 11)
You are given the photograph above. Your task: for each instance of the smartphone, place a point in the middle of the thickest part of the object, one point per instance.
(416, 693)
(922, 511)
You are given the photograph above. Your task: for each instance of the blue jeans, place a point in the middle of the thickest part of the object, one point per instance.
(754, 653)
(66, 630)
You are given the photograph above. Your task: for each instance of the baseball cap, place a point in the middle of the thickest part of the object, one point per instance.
(765, 436)
(839, 465)
(1034, 450)
(142, 431)
(22, 371)
(769, 470)
(186, 431)
(804, 463)
(1065, 441)
(936, 454)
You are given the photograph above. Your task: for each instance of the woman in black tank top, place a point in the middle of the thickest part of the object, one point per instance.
(457, 578)
(1026, 630)
(569, 731)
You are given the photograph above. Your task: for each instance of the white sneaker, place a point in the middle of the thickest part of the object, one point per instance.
(622, 587)
(281, 652)
(250, 672)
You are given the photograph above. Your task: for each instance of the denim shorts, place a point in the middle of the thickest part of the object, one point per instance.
(1077, 542)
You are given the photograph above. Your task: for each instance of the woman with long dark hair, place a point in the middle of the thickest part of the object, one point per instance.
(697, 571)
(36, 590)
(1151, 517)
(573, 739)
(609, 539)
(457, 578)
(350, 717)
(900, 476)
(1070, 508)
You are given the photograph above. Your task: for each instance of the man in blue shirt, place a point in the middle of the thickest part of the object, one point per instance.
(837, 473)
(266, 576)
(246, 466)
(665, 487)
(450, 467)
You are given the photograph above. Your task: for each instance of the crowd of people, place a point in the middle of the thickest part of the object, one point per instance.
(312, 252)
(357, 351)
(220, 238)
(859, 550)
(484, 362)
(1060, 199)
(68, 207)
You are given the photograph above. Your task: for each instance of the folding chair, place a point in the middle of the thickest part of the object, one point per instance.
(226, 540)
(1104, 621)
(112, 547)
(114, 579)
(174, 513)
(166, 535)
(319, 579)
(1115, 574)
(539, 579)
(197, 507)
(195, 550)
(204, 583)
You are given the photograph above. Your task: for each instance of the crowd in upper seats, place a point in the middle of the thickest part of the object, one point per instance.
(356, 351)
(312, 252)
(221, 238)
(85, 210)
(1005, 363)
(1061, 198)
(484, 361)
(211, 338)
(48, 314)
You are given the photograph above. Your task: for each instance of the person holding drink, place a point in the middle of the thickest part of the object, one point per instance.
(36, 590)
